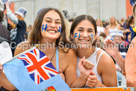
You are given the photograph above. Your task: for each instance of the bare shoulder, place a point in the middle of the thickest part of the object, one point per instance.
(21, 47)
(105, 59)
(69, 55)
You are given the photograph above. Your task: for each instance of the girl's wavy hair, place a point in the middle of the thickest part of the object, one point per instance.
(35, 35)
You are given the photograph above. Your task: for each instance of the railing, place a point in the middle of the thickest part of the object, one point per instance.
(103, 89)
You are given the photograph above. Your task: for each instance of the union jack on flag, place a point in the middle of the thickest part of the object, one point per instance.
(38, 66)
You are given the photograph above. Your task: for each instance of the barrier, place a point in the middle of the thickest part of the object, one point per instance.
(103, 89)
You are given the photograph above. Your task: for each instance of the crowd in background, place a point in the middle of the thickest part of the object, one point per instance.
(121, 32)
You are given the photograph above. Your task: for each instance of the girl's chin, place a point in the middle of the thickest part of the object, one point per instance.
(51, 37)
(84, 46)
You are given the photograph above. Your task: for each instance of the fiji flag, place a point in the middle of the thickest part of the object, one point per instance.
(33, 71)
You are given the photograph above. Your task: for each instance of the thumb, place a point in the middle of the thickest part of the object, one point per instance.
(60, 71)
(92, 73)
(81, 60)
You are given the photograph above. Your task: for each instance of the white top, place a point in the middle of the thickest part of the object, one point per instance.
(92, 59)
(113, 31)
(100, 30)
(5, 52)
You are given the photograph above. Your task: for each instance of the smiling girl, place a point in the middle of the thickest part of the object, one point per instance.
(104, 72)
(48, 28)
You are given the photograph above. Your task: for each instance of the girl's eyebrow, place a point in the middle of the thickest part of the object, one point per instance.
(58, 19)
(47, 18)
(80, 28)
(90, 29)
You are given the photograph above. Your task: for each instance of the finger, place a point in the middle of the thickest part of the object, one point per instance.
(81, 60)
(91, 81)
(60, 71)
(90, 84)
(92, 73)
(85, 63)
(91, 78)
(108, 41)
(88, 64)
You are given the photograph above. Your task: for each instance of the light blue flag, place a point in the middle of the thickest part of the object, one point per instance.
(33, 71)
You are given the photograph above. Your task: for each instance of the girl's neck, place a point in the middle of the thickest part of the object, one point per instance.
(85, 52)
(46, 40)
(46, 45)
(113, 24)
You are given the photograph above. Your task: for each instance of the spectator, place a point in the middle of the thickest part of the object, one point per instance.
(100, 28)
(104, 73)
(20, 30)
(128, 64)
(113, 27)
(64, 60)
(129, 28)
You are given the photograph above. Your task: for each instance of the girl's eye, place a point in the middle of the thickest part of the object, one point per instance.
(80, 30)
(48, 21)
(90, 30)
(57, 22)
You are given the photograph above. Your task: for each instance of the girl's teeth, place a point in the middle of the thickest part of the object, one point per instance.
(51, 31)
(83, 40)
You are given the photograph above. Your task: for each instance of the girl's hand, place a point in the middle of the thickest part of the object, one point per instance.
(61, 74)
(92, 80)
(85, 67)
(87, 64)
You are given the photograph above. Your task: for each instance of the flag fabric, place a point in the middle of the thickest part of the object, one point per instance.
(33, 71)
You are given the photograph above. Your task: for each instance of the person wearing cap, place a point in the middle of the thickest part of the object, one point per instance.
(128, 65)
(119, 40)
(18, 20)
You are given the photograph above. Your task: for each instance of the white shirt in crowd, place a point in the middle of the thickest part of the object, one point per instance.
(5, 52)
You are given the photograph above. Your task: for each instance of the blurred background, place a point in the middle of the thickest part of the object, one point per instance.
(103, 9)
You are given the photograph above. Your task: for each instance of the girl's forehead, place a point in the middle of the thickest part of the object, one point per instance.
(85, 23)
(52, 14)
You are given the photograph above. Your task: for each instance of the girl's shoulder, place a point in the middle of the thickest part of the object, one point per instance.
(67, 54)
(21, 47)
(105, 58)
(105, 62)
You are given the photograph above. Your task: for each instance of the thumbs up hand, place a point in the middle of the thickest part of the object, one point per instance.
(85, 67)
(92, 80)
